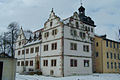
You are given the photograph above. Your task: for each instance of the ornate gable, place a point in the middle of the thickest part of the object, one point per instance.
(52, 21)
(21, 35)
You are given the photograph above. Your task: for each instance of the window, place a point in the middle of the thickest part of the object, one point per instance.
(118, 56)
(110, 44)
(106, 43)
(73, 46)
(111, 65)
(80, 34)
(23, 52)
(19, 43)
(97, 44)
(73, 63)
(86, 48)
(114, 56)
(115, 65)
(45, 48)
(118, 45)
(77, 25)
(45, 62)
(18, 63)
(119, 65)
(88, 28)
(20, 36)
(22, 63)
(32, 50)
(54, 32)
(46, 34)
(107, 55)
(51, 23)
(31, 63)
(84, 35)
(108, 65)
(86, 63)
(37, 49)
(27, 51)
(23, 42)
(96, 54)
(26, 63)
(111, 55)
(114, 44)
(73, 32)
(54, 46)
(18, 52)
(85, 28)
(53, 62)
(30, 69)
(91, 29)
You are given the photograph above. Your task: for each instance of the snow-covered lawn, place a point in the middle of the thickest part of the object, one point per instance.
(82, 77)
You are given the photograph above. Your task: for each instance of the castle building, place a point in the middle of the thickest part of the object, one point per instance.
(107, 55)
(61, 48)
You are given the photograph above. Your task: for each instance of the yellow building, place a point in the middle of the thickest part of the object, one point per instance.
(106, 57)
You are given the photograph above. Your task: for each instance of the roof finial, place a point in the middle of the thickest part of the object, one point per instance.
(52, 10)
(81, 2)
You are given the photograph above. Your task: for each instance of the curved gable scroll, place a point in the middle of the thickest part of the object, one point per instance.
(76, 16)
(52, 21)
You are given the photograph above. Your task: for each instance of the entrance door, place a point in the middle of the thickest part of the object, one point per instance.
(1, 69)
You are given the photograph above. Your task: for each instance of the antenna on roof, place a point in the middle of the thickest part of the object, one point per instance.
(81, 2)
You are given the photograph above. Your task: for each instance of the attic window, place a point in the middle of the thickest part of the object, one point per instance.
(91, 29)
(20, 36)
(51, 23)
(19, 43)
(77, 25)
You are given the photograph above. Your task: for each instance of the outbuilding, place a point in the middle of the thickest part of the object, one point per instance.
(7, 67)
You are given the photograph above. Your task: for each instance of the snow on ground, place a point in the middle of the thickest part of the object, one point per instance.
(81, 77)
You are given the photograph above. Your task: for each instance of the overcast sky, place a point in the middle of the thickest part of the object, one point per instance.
(32, 14)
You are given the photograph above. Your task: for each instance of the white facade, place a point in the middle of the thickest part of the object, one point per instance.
(64, 47)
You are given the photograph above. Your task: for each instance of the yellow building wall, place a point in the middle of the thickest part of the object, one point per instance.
(101, 61)
(98, 60)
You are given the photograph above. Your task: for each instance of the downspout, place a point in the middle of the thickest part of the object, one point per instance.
(24, 69)
(40, 55)
(102, 55)
(62, 49)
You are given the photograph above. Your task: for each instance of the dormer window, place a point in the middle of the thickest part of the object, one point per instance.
(51, 23)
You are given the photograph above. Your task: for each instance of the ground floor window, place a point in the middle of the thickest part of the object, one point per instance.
(111, 65)
(108, 65)
(45, 62)
(86, 63)
(73, 63)
(18, 63)
(53, 62)
(119, 65)
(26, 63)
(22, 63)
(31, 63)
(115, 65)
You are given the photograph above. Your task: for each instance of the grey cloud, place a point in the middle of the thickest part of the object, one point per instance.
(32, 14)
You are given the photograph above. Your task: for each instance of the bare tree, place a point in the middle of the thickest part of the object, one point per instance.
(13, 29)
